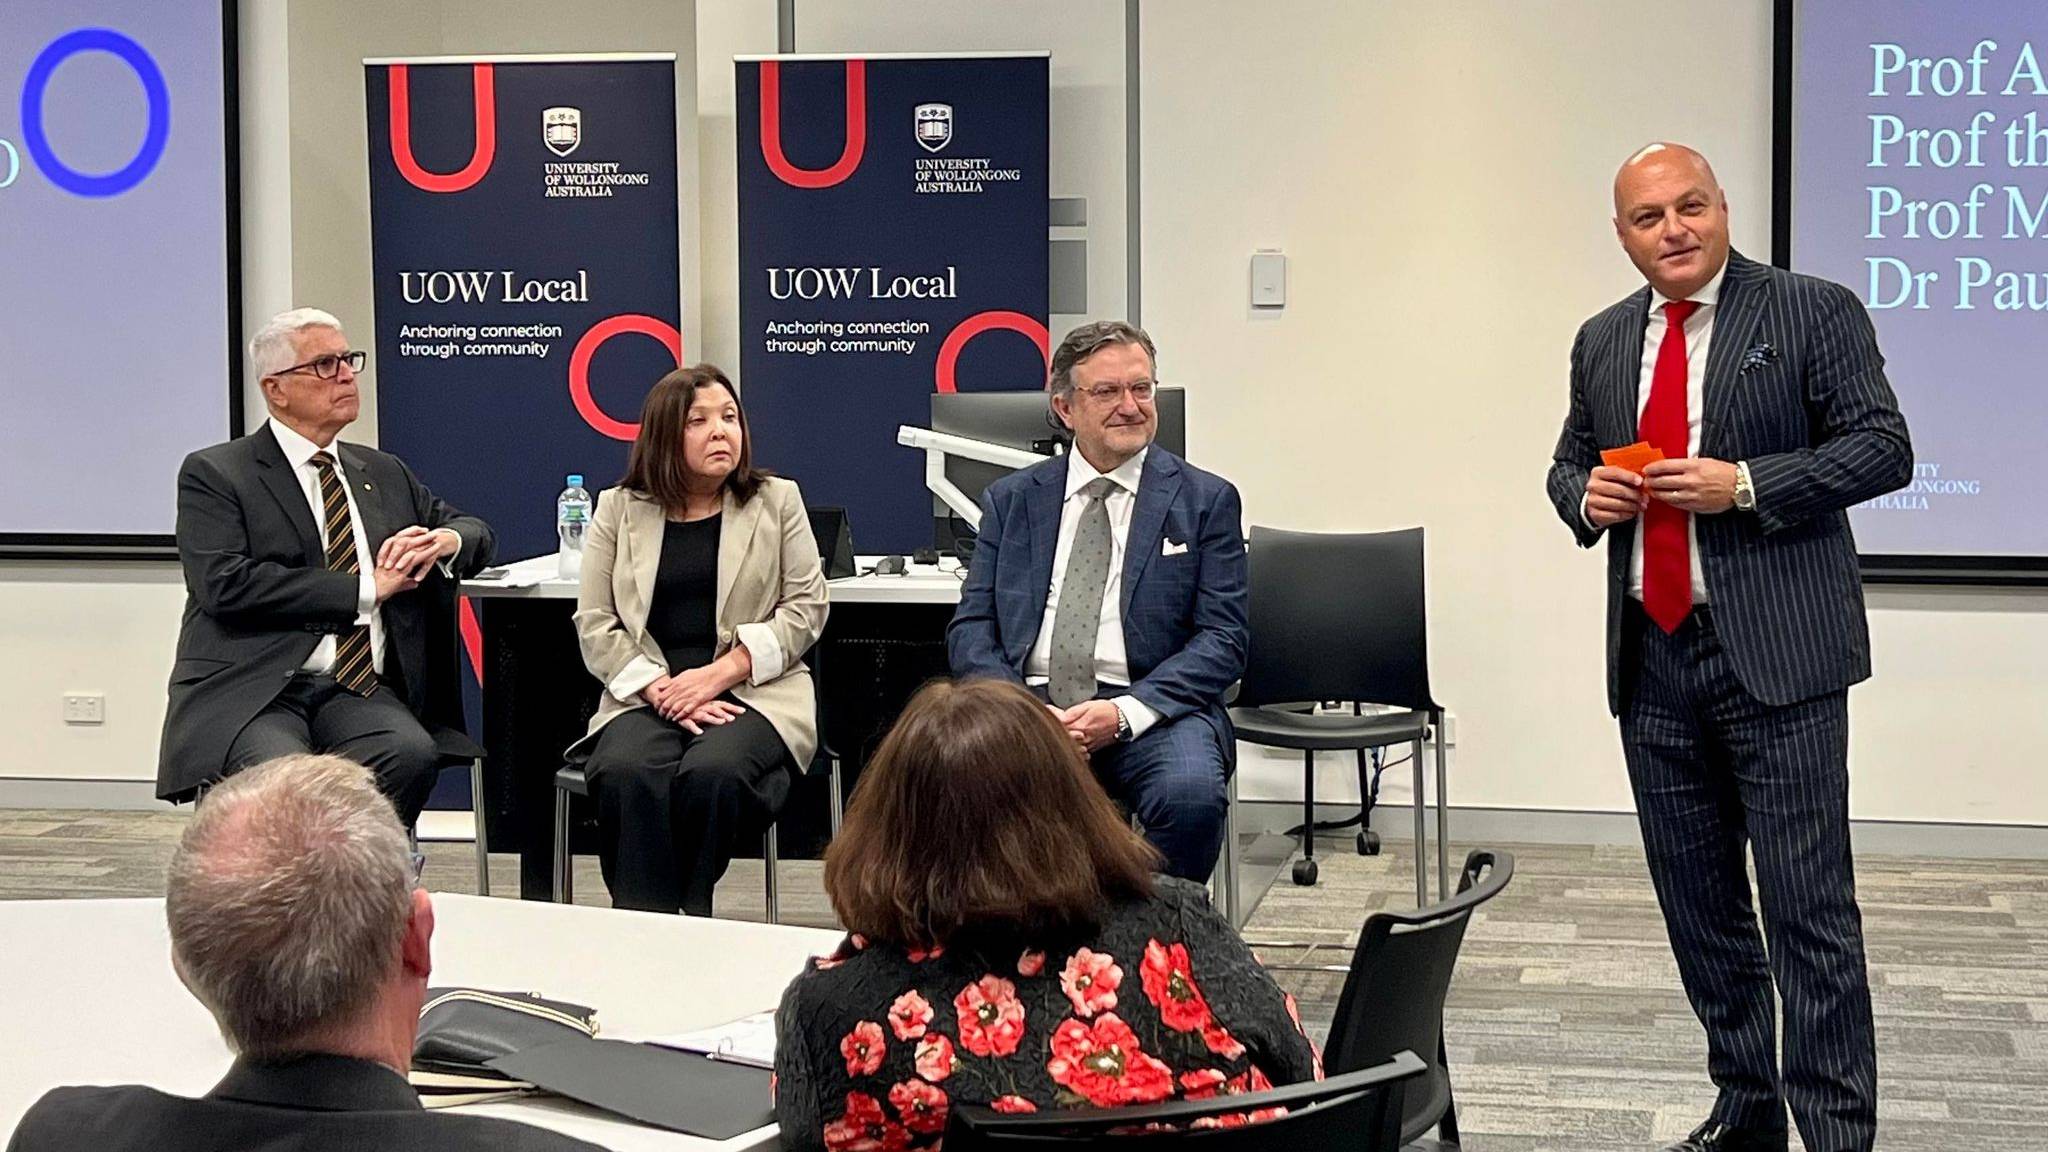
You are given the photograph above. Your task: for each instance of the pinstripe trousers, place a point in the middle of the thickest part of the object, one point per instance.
(1714, 770)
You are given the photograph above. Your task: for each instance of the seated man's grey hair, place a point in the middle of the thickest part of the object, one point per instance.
(270, 349)
(287, 898)
(1089, 339)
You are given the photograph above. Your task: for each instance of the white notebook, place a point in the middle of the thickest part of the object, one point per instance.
(747, 1040)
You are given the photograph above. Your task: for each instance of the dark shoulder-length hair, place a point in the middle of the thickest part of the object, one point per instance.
(656, 469)
(978, 812)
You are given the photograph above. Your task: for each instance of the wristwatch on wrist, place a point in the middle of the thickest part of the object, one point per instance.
(1745, 492)
(1123, 726)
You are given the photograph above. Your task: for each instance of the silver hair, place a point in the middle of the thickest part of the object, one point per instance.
(1089, 339)
(287, 898)
(270, 349)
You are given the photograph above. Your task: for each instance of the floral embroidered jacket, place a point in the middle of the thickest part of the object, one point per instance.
(1163, 1002)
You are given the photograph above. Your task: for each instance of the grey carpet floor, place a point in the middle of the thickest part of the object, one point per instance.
(1566, 1024)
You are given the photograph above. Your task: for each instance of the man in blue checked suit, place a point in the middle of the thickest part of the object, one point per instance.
(1111, 581)
(1735, 626)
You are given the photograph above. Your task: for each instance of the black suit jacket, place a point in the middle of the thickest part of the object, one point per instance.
(1795, 386)
(308, 1104)
(259, 596)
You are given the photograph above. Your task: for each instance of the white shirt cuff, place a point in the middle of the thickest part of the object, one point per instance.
(1583, 517)
(447, 563)
(636, 675)
(1136, 714)
(366, 597)
(768, 659)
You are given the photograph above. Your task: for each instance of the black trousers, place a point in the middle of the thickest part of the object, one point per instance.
(316, 714)
(1716, 770)
(671, 806)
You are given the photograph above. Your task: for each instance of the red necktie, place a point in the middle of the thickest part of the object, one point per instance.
(1667, 560)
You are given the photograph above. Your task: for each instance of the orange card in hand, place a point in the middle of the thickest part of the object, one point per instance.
(1633, 458)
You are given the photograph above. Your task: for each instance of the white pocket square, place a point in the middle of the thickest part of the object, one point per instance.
(1169, 548)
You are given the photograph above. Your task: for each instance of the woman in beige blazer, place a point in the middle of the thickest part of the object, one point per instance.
(701, 593)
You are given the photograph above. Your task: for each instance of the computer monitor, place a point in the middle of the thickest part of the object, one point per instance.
(1020, 420)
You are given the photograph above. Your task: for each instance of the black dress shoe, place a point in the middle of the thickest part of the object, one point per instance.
(1714, 1136)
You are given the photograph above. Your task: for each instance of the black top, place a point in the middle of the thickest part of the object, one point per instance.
(683, 617)
(1162, 1002)
(306, 1104)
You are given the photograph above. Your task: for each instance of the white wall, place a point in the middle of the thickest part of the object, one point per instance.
(1439, 176)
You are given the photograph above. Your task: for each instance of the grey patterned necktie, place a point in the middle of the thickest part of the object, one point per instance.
(1079, 616)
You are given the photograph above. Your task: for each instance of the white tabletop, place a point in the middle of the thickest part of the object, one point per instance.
(91, 998)
(535, 578)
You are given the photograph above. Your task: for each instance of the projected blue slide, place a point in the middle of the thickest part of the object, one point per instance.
(1920, 178)
(114, 353)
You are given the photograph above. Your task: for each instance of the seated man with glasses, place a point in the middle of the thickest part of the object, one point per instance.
(319, 588)
(297, 919)
(1111, 582)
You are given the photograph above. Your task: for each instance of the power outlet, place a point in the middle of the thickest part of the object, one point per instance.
(1450, 732)
(85, 708)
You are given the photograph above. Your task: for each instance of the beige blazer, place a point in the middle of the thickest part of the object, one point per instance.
(771, 597)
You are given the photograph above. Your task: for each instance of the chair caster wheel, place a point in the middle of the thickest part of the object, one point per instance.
(1368, 843)
(1305, 872)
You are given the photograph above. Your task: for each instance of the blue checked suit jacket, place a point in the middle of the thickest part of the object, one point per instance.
(1795, 386)
(1184, 614)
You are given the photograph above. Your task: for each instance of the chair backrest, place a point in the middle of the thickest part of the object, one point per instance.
(1337, 616)
(1356, 1112)
(1393, 998)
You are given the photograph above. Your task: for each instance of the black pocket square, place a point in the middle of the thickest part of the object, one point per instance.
(1757, 357)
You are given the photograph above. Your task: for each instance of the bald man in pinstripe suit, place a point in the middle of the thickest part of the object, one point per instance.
(1735, 626)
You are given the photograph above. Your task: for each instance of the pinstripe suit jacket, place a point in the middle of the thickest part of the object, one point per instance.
(1795, 386)
(1184, 614)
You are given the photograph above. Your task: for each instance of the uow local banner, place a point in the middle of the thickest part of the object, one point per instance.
(892, 215)
(523, 217)
(523, 240)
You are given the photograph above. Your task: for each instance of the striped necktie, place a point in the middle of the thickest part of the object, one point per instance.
(353, 667)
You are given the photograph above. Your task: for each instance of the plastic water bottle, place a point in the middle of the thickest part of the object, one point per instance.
(572, 517)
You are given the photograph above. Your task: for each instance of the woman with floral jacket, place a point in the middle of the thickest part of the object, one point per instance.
(1009, 945)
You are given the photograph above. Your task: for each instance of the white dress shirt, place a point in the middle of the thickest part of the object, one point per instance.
(298, 451)
(1112, 665)
(1699, 330)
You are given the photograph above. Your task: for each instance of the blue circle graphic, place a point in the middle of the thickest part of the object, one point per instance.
(154, 137)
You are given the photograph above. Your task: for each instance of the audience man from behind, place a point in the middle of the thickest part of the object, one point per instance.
(296, 918)
(1111, 582)
(1735, 626)
(320, 584)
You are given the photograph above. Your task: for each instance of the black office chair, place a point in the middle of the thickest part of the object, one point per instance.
(572, 781)
(1340, 617)
(1393, 997)
(1357, 1112)
(453, 749)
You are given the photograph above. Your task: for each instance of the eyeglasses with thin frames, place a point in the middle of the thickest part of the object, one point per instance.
(419, 865)
(1140, 390)
(329, 366)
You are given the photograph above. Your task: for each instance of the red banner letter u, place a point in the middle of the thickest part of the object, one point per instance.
(856, 128)
(480, 157)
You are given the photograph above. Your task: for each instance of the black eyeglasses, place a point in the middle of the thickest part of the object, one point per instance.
(329, 366)
(419, 865)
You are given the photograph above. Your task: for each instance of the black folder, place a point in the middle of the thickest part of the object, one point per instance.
(662, 1087)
